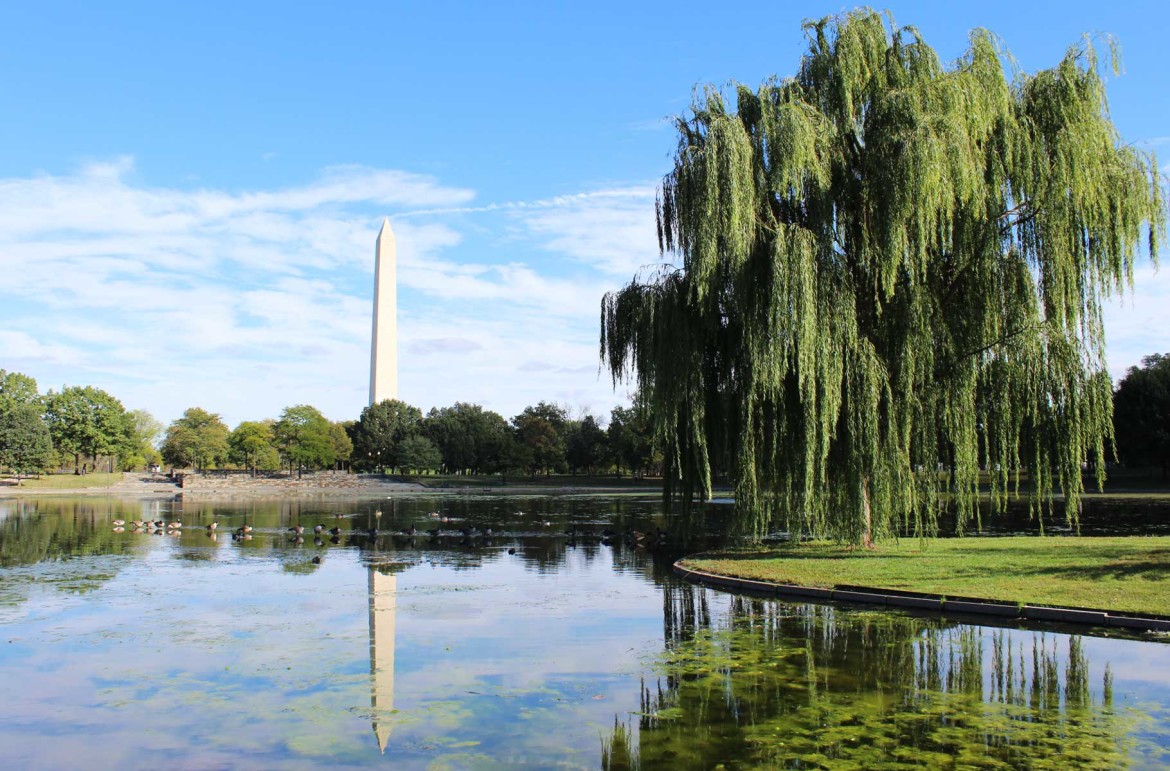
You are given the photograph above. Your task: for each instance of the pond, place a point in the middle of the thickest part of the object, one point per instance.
(526, 648)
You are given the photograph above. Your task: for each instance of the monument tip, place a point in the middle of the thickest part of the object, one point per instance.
(386, 229)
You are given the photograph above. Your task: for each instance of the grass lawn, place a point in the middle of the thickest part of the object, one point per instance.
(1116, 573)
(65, 481)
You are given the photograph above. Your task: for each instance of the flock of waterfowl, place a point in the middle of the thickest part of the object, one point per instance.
(466, 535)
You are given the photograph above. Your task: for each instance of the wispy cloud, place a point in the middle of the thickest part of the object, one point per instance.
(247, 301)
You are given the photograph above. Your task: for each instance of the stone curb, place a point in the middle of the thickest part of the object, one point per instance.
(929, 602)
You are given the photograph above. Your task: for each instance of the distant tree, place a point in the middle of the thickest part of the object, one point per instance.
(143, 434)
(631, 439)
(251, 445)
(541, 431)
(304, 439)
(15, 389)
(417, 453)
(587, 445)
(199, 439)
(25, 444)
(84, 420)
(1141, 414)
(342, 444)
(470, 438)
(379, 432)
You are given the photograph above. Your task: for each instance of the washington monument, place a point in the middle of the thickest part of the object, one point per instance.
(384, 343)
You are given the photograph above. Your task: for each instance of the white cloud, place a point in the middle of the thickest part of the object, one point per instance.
(246, 302)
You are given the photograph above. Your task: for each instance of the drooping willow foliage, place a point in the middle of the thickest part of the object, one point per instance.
(889, 277)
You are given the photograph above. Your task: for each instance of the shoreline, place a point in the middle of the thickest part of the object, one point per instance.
(161, 488)
(932, 603)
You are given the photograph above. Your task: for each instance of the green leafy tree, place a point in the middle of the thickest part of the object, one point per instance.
(541, 430)
(887, 265)
(143, 434)
(380, 431)
(251, 445)
(84, 420)
(587, 446)
(1141, 414)
(17, 389)
(25, 444)
(304, 439)
(199, 439)
(419, 454)
(631, 439)
(342, 444)
(470, 438)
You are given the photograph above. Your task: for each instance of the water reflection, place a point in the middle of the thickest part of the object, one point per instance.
(519, 648)
(383, 608)
(815, 686)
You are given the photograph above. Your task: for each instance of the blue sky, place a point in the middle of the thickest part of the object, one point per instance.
(189, 195)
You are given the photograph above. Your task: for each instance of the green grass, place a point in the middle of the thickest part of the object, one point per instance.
(1130, 574)
(65, 481)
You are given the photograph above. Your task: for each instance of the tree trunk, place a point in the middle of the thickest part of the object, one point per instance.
(867, 534)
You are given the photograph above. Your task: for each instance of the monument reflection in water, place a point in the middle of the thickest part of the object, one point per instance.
(383, 608)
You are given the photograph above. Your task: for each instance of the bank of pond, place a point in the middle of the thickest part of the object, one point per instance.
(543, 644)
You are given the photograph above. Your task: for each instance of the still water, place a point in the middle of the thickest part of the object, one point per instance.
(526, 648)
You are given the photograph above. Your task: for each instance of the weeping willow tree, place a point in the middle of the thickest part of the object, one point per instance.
(887, 277)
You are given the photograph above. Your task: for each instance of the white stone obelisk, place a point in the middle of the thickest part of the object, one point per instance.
(383, 609)
(384, 343)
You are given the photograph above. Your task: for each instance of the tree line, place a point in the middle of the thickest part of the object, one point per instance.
(79, 426)
(87, 429)
(393, 436)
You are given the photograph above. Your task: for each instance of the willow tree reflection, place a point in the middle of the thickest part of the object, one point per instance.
(814, 686)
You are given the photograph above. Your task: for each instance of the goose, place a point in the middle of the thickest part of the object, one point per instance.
(119, 523)
(137, 524)
(335, 531)
(174, 525)
(411, 531)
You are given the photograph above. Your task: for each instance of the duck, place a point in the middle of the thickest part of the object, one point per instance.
(512, 550)
(411, 531)
(318, 529)
(334, 531)
(211, 528)
(245, 528)
(372, 532)
(119, 523)
(298, 529)
(174, 525)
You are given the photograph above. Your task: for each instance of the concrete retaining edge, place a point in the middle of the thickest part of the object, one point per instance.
(966, 606)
